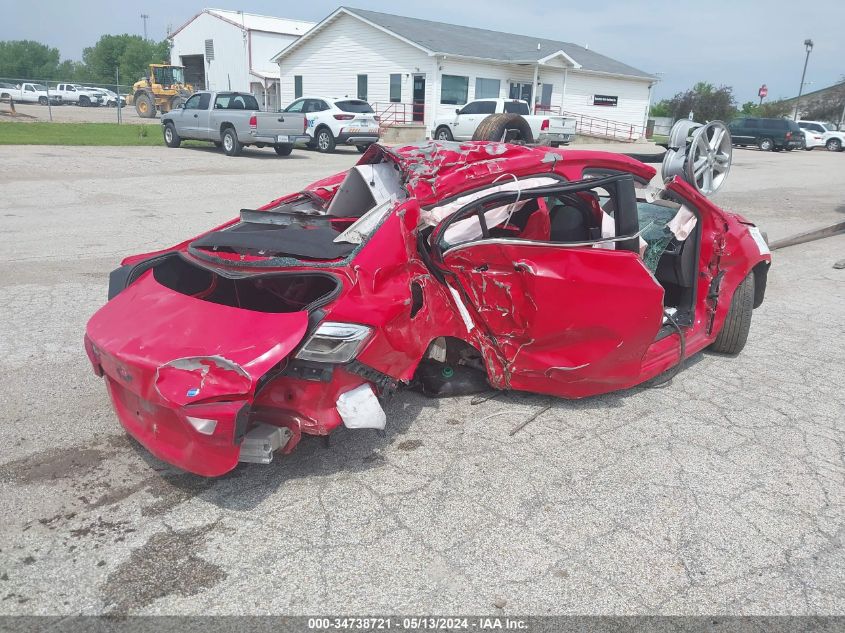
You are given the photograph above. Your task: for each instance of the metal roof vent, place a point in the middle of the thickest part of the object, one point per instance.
(209, 50)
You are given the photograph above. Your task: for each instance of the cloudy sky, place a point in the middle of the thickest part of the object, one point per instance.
(740, 43)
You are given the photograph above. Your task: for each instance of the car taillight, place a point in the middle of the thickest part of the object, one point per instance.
(788, 135)
(344, 117)
(544, 125)
(304, 124)
(253, 121)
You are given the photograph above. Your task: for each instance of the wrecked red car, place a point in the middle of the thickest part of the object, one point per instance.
(449, 267)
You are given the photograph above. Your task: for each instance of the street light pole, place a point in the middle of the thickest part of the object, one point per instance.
(808, 44)
(145, 17)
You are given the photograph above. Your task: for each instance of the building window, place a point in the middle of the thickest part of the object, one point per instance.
(453, 89)
(297, 86)
(362, 87)
(521, 91)
(396, 88)
(487, 88)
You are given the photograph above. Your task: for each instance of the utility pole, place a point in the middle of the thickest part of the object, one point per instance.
(145, 17)
(808, 44)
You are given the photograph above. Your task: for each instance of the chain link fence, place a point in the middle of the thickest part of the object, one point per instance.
(51, 93)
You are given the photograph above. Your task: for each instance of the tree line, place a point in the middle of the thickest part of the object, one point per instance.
(132, 54)
(708, 103)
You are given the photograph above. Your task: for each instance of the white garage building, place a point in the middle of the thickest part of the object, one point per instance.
(232, 50)
(413, 70)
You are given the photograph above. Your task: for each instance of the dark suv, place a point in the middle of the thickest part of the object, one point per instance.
(767, 134)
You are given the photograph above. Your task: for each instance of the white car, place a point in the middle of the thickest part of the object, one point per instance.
(546, 129)
(337, 121)
(110, 98)
(818, 134)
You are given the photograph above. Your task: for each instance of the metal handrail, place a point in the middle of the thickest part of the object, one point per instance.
(606, 128)
(397, 113)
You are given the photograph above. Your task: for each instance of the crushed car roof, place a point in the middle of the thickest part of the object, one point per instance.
(438, 169)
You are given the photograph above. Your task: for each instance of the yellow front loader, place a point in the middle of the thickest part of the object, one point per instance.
(162, 90)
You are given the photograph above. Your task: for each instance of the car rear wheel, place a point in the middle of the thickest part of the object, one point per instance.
(362, 148)
(283, 150)
(808, 149)
(734, 332)
(42, 101)
(443, 134)
(231, 145)
(84, 101)
(834, 145)
(171, 137)
(325, 140)
(766, 144)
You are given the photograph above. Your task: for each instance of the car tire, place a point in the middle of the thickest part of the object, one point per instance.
(231, 145)
(42, 101)
(808, 149)
(362, 148)
(766, 144)
(443, 133)
(734, 333)
(833, 145)
(788, 148)
(283, 150)
(171, 137)
(494, 127)
(325, 140)
(84, 101)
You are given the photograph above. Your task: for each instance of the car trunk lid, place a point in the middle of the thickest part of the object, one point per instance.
(176, 349)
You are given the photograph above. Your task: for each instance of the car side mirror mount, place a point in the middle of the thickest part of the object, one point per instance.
(457, 110)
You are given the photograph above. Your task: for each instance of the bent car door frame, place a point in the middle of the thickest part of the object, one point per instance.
(567, 319)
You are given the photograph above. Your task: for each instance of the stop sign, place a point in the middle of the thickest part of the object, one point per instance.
(763, 91)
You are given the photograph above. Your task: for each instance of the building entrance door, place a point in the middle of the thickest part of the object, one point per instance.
(419, 98)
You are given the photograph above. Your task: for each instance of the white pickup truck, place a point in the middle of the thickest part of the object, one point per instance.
(546, 129)
(29, 93)
(75, 93)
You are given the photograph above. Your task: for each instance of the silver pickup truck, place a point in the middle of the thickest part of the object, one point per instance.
(231, 120)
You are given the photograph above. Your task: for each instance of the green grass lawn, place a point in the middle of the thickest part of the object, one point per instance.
(42, 133)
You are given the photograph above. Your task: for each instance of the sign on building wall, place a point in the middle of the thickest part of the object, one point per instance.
(605, 100)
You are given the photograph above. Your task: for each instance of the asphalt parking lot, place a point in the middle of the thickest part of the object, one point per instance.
(723, 492)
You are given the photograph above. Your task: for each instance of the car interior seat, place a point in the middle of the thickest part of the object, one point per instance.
(571, 220)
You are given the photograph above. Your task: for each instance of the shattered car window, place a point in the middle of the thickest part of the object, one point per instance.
(662, 224)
